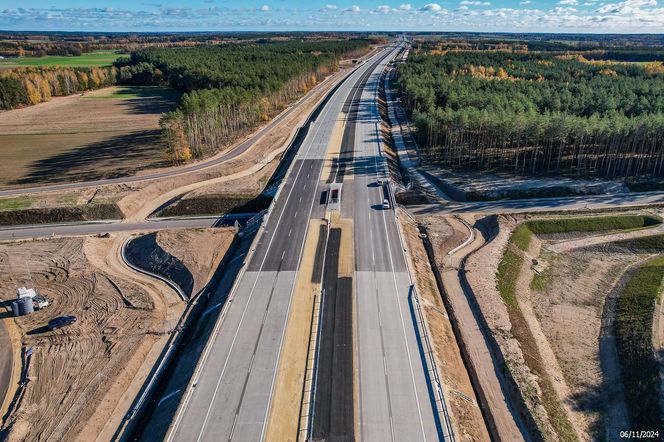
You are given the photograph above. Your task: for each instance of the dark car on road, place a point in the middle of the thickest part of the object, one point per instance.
(61, 321)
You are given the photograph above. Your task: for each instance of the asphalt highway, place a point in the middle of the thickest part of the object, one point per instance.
(394, 396)
(333, 415)
(233, 386)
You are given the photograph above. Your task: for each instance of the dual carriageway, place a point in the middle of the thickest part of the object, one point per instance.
(370, 378)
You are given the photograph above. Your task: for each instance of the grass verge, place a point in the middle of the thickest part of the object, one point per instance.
(17, 203)
(540, 281)
(508, 272)
(522, 234)
(592, 224)
(640, 371)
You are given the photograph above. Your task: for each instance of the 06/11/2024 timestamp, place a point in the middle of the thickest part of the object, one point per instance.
(639, 434)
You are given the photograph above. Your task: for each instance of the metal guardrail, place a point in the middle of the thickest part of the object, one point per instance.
(254, 223)
(304, 423)
(448, 431)
(314, 383)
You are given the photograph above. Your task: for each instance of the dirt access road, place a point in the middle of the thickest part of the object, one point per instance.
(484, 365)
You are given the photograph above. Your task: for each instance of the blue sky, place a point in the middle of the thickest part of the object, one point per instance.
(628, 16)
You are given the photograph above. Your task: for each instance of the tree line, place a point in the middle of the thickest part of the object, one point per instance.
(229, 89)
(27, 86)
(535, 113)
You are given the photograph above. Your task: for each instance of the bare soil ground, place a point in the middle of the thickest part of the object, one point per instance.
(79, 137)
(200, 250)
(565, 325)
(575, 309)
(467, 416)
(83, 378)
(78, 373)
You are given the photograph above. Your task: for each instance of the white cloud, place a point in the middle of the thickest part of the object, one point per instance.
(435, 7)
(475, 3)
(265, 8)
(568, 2)
(614, 16)
(330, 7)
(383, 9)
(405, 7)
(562, 10)
(525, 2)
(628, 7)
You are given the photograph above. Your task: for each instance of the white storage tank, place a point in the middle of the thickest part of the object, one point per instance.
(25, 306)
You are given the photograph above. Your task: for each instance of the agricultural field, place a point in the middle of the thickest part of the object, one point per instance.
(91, 59)
(106, 133)
(581, 298)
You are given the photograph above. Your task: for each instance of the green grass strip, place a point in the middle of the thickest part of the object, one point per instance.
(508, 273)
(592, 224)
(521, 236)
(92, 59)
(17, 203)
(640, 371)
